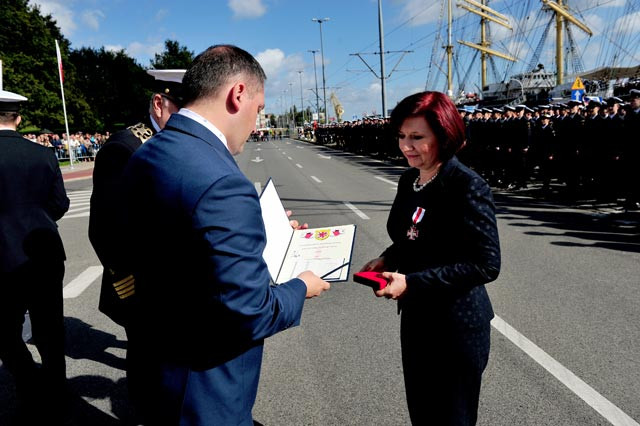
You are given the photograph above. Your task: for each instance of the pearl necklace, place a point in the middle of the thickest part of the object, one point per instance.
(418, 188)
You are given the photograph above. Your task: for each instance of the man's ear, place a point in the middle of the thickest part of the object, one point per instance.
(18, 120)
(156, 104)
(236, 96)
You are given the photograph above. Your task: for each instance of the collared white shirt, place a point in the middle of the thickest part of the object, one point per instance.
(154, 124)
(206, 123)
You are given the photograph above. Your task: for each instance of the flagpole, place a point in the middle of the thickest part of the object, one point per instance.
(64, 106)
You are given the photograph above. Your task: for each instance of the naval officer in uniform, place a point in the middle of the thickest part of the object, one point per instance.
(32, 199)
(106, 231)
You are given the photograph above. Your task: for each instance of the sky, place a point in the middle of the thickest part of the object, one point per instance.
(280, 34)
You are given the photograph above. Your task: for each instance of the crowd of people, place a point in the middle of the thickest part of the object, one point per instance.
(588, 148)
(84, 146)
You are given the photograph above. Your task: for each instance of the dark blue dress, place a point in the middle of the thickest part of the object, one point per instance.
(447, 254)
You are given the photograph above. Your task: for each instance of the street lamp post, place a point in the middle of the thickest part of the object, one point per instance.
(315, 72)
(324, 83)
(293, 116)
(283, 108)
(301, 101)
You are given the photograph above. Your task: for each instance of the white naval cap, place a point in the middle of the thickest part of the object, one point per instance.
(168, 83)
(10, 102)
(167, 75)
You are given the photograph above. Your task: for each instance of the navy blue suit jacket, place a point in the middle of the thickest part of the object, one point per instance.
(203, 287)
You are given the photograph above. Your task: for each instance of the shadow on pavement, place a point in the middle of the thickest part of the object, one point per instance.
(85, 342)
(588, 224)
(82, 342)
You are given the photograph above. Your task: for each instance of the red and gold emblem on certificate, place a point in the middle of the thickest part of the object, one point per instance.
(417, 216)
(322, 234)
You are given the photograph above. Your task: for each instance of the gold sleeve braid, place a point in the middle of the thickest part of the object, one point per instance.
(141, 131)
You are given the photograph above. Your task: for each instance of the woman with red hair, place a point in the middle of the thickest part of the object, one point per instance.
(445, 248)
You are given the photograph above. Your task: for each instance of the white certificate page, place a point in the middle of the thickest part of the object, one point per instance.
(325, 251)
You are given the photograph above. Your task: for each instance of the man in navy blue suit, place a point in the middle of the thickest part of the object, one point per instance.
(206, 304)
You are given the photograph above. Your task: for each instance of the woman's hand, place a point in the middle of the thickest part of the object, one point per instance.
(294, 223)
(396, 288)
(376, 265)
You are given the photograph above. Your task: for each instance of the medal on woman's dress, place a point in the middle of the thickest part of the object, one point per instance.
(412, 233)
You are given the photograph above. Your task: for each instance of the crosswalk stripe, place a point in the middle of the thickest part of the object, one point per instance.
(71, 216)
(81, 282)
(77, 210)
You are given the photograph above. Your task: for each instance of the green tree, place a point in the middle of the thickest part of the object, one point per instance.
(174, 56)
(28, 54)
(114, 84)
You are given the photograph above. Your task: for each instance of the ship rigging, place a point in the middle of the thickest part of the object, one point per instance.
(505, 42)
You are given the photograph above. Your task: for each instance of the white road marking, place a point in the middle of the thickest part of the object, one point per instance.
(81, 209)
(81, 282)
(298, 166)
(589, 395)
(71, 216)
(290, 158)
(390, 182)
(258, 187)
(80, 202)
(326, 157)
(316, 179)
(356, 211)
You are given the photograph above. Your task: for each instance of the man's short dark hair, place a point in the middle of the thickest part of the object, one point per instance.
(8, 117)
(213, 68)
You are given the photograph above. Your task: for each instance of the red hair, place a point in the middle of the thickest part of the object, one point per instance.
(442, 116)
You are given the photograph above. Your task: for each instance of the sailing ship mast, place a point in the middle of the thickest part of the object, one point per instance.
(562, 14)
(449, 48)
(486, 14)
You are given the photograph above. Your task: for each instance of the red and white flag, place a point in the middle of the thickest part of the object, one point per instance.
(59, 62)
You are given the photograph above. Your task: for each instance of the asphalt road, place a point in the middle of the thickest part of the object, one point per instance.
(565, 343)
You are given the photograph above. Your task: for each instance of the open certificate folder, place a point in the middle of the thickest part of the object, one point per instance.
(325, 251)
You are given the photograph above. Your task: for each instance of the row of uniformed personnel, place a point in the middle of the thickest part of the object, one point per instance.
(586, 145)
(583, 145)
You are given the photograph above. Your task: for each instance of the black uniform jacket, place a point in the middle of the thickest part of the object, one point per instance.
(456, 250)
(32, 199)
(106, 230)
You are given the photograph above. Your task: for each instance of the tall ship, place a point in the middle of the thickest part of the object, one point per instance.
(531, 51)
